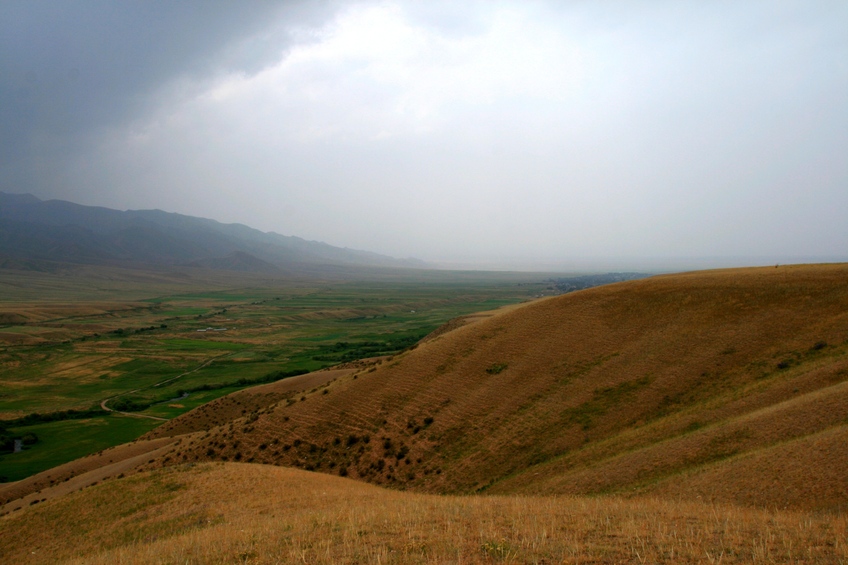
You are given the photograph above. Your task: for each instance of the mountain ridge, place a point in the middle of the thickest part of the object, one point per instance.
(58, 230)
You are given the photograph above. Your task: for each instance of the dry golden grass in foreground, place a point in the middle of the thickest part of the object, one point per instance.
(240, 513)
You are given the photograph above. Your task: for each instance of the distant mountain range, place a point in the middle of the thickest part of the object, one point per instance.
(33, 230)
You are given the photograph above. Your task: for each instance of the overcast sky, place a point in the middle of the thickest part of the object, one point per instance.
(491, 134)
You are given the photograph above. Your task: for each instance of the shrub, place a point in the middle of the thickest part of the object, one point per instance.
(130, 405)
(496, 368)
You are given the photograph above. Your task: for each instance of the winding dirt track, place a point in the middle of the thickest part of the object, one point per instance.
(105, 407)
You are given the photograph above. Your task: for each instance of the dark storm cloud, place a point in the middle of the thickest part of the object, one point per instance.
(68, 67)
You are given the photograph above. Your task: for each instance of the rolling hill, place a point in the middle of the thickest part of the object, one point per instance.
(706, 415)
(258, 514)
(720, 385)
(58, 231)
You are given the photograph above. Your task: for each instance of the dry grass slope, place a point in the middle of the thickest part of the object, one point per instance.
(693, 385)
(235, 513)
(244, 402)
(681, 402)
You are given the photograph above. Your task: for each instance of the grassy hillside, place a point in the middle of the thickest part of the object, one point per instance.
(704, 413)
(236, 513)
(706, 384)
(146, 342)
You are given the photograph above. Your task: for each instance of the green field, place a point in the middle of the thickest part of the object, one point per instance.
(74, 347)
(60, 442)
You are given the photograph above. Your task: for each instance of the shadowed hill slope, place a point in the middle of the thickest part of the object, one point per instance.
(686, 385)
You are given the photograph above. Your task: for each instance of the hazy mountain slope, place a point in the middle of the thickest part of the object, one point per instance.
(607, 389)
(237, 261)
(63, 231)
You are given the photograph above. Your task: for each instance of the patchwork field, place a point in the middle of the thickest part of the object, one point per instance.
(173, 346)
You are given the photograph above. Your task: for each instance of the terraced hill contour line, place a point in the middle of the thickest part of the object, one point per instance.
(722, 385)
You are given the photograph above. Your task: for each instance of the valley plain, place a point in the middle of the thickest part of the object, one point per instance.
(698, 417)
(157, 344)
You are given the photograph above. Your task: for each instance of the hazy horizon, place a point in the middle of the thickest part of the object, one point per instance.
(552, 136)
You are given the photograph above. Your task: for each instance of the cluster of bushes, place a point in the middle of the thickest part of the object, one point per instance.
(343, 351)
(35, 418)
(128, 404)
(130, 331)
(496, 368)
(7, 440)
(390, 450)
(412, 425)
(268, 378)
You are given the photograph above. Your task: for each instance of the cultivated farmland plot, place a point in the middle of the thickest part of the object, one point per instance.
(155, 350)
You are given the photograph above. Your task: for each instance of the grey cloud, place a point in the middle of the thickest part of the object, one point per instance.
(68, 67)
(481, 132)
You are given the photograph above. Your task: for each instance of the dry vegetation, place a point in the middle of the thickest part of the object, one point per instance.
(673, 385)
(245, 402)
(706, 414)
(235, 513)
